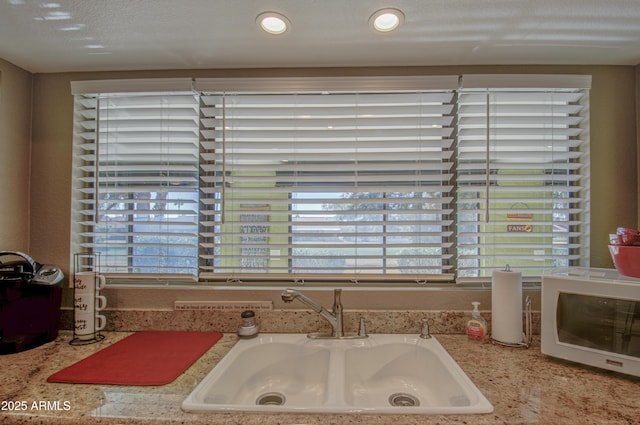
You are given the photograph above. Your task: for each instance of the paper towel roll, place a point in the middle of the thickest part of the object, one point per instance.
(506, 306)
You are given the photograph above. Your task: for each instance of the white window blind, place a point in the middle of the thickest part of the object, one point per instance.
(320, 183)
(308, 179)
(135, 181)
(522, 176)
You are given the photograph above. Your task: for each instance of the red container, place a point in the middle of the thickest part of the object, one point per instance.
(626, 259)
(628, 236)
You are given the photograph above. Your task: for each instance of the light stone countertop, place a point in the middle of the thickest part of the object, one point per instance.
(524, 386)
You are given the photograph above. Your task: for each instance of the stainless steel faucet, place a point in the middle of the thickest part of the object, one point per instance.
(334, 317)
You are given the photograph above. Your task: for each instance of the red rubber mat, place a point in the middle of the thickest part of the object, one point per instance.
(144, 358)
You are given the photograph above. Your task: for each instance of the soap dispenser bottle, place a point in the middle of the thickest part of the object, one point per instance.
(477, 326)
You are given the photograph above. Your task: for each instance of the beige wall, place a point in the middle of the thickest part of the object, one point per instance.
(15, 133)
(614, 168)
(614, 180)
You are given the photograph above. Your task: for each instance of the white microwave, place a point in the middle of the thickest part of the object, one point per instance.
(592, 316)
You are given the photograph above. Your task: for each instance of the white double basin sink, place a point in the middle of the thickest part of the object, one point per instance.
(380, 374)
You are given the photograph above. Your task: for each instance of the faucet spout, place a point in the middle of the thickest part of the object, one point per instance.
(334, 318)
(288, 295)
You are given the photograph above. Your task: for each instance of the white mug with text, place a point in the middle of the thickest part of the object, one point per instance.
(87, 324)
(88, 282)
(89, 302)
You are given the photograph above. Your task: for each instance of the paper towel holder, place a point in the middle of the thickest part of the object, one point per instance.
(528, 337)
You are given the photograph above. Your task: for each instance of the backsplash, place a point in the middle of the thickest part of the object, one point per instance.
(289, 321)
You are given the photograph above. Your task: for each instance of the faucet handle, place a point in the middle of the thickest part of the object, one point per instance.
(425, 329)
(362, 330)
(337, 301)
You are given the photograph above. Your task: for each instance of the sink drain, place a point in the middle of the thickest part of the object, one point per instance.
(403, 400)
(271, 399)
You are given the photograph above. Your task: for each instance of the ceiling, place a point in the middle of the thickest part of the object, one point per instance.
(102, 35)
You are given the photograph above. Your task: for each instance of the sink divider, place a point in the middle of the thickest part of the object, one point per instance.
(336, 396)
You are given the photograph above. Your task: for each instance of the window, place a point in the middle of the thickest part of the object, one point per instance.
(330, 182)
(136, 181)
(522, 174)
(332, 179)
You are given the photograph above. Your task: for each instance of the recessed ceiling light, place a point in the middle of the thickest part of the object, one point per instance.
(273, 23)
(385, 20)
